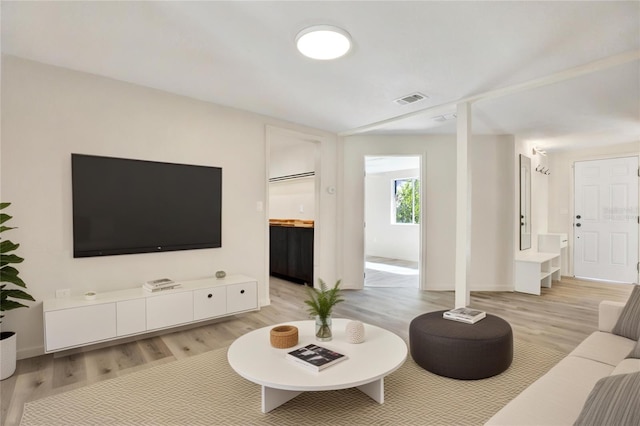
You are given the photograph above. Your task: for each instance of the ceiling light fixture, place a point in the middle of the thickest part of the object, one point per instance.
(323, 42)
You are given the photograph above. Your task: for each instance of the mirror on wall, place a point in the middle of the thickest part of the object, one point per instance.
(525, 202)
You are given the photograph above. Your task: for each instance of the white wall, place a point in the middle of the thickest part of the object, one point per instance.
(292, 198)
(49, 113)
(382, 237)
(291, 158)
(560, 213)
(492, 238)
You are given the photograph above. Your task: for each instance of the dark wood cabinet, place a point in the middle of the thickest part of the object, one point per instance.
(291, 253)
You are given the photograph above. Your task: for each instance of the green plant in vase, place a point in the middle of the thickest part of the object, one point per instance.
(320, 304)
(12, 292)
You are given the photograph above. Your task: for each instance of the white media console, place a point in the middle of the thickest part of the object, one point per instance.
(74, 322)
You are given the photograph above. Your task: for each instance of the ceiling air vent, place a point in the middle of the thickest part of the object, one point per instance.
(409, 99)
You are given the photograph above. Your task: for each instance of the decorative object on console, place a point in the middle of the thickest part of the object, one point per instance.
(321, 302)
(221, 274)
(283, 336)
(9, 277)
(355, 332)
(160, 284)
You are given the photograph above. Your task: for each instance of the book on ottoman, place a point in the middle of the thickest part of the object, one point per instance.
(467, 315)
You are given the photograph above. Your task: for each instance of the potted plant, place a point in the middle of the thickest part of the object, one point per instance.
(320, 304)
(10, 290)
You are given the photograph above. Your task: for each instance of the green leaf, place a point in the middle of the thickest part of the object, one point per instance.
(11, 258)
(8, 305)
(321, 301)
(16, 294)
(6, 246)
(4, 217)
(6, 228)
(3, 205)
(9, 274)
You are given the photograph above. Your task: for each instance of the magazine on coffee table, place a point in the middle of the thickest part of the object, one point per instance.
(466, 315)
(314, 357)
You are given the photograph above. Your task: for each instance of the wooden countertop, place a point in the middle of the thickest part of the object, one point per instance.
(298, 223)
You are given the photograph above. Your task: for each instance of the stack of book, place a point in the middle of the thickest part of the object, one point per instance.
(466, 315)
(160, 285)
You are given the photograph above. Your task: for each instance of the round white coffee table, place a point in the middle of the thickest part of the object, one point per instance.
(253, 358)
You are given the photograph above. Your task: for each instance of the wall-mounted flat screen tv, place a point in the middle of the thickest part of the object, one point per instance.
(123, 206)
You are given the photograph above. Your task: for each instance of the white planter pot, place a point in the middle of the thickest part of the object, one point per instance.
(8, 350)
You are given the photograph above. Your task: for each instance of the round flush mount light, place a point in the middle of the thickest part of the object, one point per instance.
(323, 42)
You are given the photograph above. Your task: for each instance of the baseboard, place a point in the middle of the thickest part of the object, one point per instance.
(30, 352)
(475, 288)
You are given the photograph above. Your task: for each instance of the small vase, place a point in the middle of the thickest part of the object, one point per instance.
(323, 329)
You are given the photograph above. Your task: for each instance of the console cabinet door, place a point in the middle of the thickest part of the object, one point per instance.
(169, 310)
(131, 317)
(291, 253)
(278, 250)
(209, 303)
(242, 297)
(300, 254)
(68, 328)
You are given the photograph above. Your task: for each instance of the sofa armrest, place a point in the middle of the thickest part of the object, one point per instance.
(608, 314)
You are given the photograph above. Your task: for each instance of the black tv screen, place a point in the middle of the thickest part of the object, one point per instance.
(123, 206)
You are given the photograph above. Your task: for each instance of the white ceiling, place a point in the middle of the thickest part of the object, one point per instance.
(242, 54)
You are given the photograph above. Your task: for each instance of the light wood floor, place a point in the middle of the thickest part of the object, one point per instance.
(560, 318)
(379, 272)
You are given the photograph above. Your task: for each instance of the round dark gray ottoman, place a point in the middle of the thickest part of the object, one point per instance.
(458, 350)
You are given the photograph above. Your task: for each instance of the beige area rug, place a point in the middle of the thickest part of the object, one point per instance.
(204, 390)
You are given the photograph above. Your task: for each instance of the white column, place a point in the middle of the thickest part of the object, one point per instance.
(463, 214)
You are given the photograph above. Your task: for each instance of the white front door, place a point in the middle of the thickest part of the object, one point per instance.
(606, 219)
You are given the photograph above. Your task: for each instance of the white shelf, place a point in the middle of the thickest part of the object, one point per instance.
(535, 270)
(556, 243)
(75, 322)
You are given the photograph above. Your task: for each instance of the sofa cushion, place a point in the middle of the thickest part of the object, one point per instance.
(635, 353)
(628, 324)
(604, 347)
(555, 398)
(613, 401)
(629, 365)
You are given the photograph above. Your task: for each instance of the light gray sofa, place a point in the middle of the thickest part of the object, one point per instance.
(557, 397)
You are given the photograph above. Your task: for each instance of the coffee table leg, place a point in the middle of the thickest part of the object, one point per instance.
(375, 390)
(273, 398)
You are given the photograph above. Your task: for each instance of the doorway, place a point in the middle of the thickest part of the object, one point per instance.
(293, 206)
(393, 219)
(606, 219)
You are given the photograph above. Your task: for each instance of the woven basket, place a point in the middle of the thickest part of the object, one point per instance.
(284, 336)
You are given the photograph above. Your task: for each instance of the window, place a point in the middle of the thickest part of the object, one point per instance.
(407, 200)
